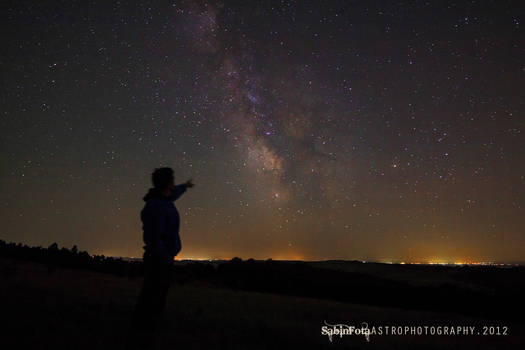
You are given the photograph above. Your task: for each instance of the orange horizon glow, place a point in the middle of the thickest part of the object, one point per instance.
(297, 256)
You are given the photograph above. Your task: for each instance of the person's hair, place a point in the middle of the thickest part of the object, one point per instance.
(161, 177)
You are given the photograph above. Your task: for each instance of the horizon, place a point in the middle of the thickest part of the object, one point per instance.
(387, 262)
(431, 261)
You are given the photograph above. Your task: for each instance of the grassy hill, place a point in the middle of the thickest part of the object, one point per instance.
(81, 309)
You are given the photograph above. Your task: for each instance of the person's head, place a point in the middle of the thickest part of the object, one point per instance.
(163, 178)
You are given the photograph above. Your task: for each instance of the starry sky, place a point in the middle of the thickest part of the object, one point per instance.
(370, 130)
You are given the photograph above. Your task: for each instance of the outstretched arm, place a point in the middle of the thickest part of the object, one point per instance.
(178, 190)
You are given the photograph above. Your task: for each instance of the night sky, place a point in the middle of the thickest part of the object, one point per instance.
(370, 130)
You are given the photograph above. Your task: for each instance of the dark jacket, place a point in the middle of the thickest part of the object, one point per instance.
(160, 224)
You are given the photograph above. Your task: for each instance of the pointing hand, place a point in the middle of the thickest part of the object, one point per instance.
(189, 183)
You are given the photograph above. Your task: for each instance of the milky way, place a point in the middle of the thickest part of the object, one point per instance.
(313, 130)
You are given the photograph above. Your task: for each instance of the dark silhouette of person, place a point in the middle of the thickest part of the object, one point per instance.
(160, 224)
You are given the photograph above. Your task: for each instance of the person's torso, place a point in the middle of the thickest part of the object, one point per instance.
(168, 210)
(172, 220)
